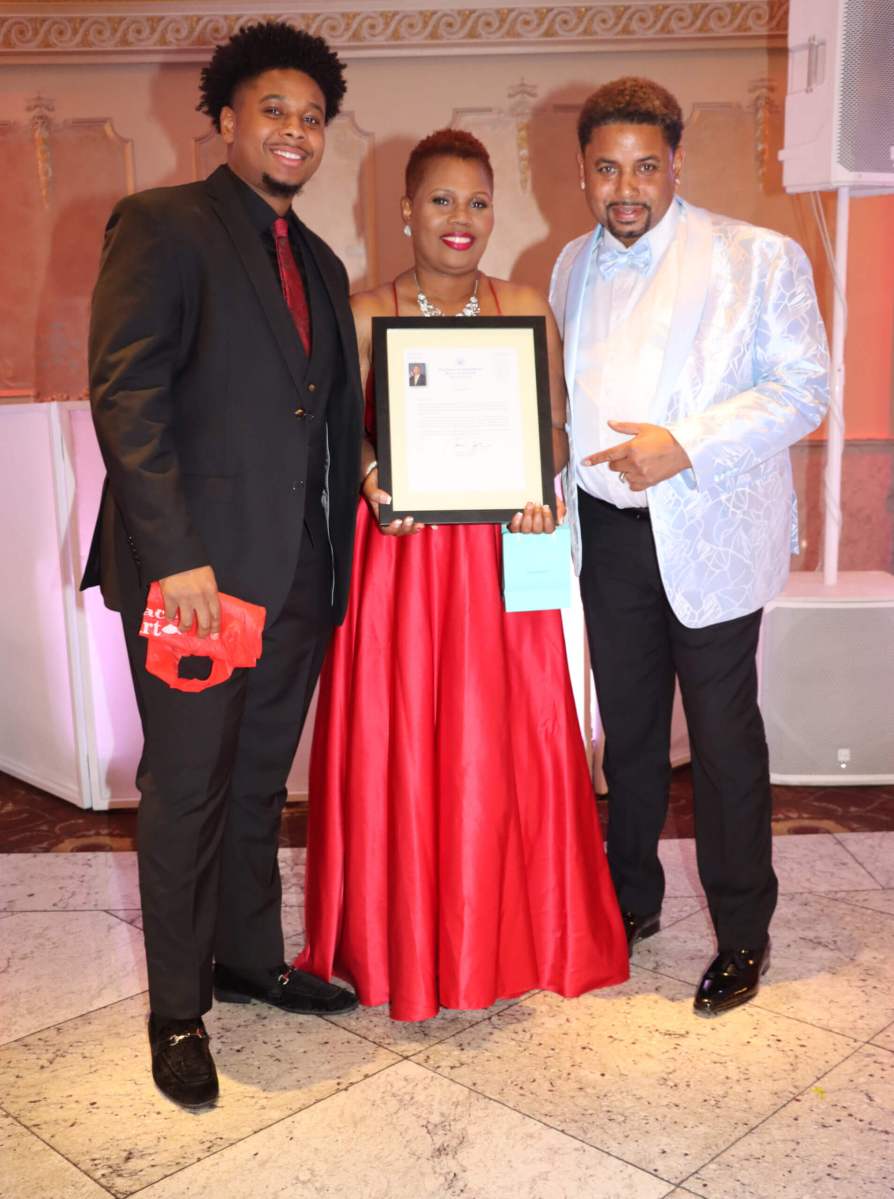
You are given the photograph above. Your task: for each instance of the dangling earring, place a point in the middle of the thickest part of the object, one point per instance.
(408, 232)
(582, 185)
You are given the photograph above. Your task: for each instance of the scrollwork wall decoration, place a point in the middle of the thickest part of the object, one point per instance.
(155, 34)
(521, 98)
(41, 110)
(764, 107)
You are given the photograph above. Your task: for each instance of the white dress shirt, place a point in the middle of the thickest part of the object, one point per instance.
(625, 322)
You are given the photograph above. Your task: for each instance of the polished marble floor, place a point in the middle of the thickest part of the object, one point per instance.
(622, 1094)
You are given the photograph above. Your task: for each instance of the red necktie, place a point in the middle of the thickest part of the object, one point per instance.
(290, 278)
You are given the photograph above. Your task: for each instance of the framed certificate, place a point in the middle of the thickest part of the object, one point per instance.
(463, 425)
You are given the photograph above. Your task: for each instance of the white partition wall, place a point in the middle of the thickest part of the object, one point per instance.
(68, 718)
(38, 734)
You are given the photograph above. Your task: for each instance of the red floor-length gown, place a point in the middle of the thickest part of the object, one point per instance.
(454, 853)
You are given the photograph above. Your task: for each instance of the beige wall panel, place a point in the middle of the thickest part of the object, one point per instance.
(63, 177)
(732, 95)
(23, 254)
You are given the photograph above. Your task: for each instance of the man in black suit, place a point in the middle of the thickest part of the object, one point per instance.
(227, 403)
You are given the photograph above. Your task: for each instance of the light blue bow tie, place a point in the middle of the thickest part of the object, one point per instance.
(638, 257)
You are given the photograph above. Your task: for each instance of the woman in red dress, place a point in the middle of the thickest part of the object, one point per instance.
(454, 852)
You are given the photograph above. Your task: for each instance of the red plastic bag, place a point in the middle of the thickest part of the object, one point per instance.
(241, 626)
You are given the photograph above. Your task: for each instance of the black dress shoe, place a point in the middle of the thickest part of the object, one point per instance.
(292, 990)
(732, 979)
(638, 928)
(182, 1065)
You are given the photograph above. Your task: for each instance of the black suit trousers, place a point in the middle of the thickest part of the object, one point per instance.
(212, 783)
(638, 647)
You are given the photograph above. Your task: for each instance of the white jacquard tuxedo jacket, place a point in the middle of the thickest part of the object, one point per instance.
(745, 375)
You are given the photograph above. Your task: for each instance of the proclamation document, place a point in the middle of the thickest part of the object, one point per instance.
(463, 426)
(465, 423)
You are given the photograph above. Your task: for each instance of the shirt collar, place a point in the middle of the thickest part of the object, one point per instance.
(659, 238)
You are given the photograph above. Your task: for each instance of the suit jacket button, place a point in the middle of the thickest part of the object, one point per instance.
(299, 412)
(311, 387)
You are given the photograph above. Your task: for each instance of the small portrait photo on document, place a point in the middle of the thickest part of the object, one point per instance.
(417, 374)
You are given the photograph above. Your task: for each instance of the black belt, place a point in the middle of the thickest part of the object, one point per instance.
(630, 513)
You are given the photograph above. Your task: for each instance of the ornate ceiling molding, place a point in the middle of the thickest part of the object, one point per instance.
(163, 30)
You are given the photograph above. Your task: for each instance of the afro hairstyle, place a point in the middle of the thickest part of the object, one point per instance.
(269, 46)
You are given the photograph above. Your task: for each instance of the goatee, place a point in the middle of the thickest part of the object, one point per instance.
(628, 236)
(276, 188)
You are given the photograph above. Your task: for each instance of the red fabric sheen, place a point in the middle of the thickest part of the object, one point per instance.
(454, 850)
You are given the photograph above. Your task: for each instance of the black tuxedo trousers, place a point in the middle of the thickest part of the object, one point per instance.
(638, 647)
(212, 782)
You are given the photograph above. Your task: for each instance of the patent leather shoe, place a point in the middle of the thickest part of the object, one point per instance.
(638, 928)
(732, 979)
(292, 990)
(182, 1065)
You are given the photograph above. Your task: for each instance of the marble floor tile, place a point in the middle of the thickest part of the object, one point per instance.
(834, 1140)
(874, 851)
(832, 963)
(875, 901)
(410, 1037)
(293, 930)
(291, 869)
(409, 1134)
(100, 881)
(29, 1168)
(633, 1072)
(885, 1039)
(85, 1087)
(33, 882)
(673, 910)
(56, 965)
(815, 862)
(132, 916)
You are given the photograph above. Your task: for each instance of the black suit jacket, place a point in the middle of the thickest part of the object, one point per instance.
(200, 393)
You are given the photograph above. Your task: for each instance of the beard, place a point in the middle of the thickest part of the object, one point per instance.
(275, 188)
(624, 233)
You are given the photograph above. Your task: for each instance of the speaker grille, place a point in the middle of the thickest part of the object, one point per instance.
(827, 690)
(866, 113)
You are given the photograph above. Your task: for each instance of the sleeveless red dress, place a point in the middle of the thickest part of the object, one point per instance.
(454, 853)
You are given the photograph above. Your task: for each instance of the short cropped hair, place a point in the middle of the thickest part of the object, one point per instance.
(444, 143)
(631, 101)
(269, 46)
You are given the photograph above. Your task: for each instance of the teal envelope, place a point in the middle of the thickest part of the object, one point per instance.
(536, 570)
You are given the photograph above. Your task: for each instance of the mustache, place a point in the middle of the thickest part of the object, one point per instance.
(630, 204)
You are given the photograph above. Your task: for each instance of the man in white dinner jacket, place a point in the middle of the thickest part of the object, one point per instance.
(694, 356)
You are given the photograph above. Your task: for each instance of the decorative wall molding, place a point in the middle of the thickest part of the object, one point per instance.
(162, 30)
(41, 110)
(765, 107)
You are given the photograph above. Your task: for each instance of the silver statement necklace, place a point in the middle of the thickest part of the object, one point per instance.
(427, 308)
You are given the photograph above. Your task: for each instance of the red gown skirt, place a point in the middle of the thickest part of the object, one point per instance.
(454, 851)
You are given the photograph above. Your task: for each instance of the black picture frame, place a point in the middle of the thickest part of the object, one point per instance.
(390, 394)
